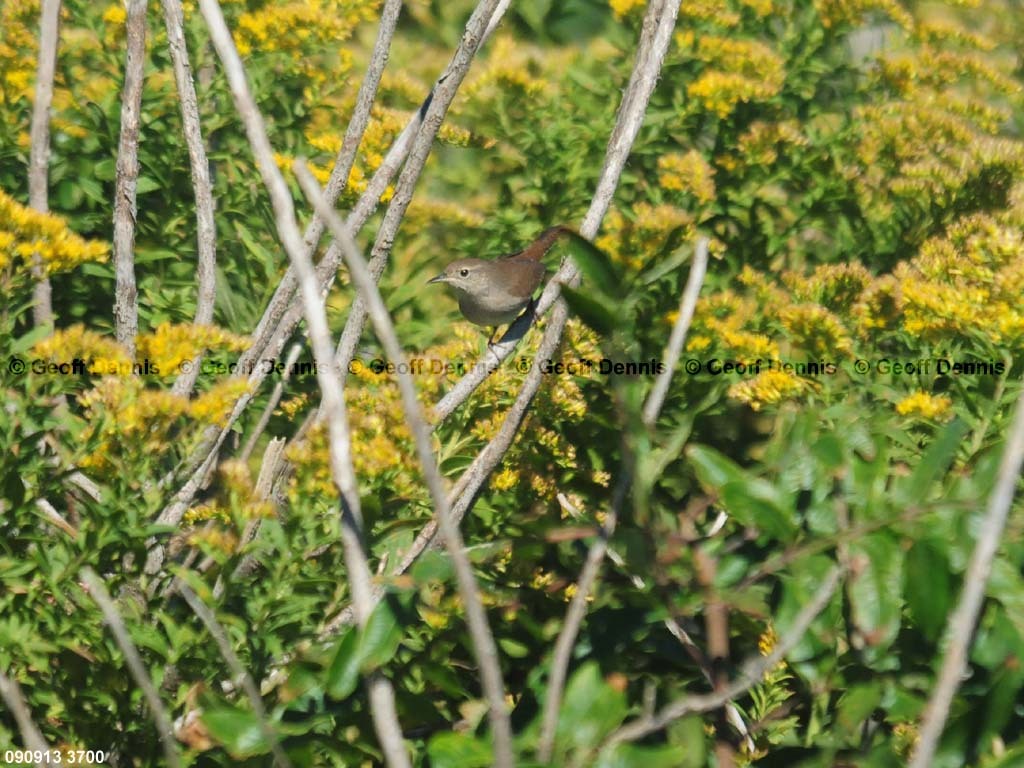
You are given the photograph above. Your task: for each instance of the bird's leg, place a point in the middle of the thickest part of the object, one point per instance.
(532, 308)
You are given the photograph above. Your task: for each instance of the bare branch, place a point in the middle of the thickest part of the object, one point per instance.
(484, 647)
(275, 398)
(277, 328)
(99, 593)
(272, 457)
(39, 153)
(752, 672)
(570, 627)
(12, 696)
(484, 18)
(588, 576)
(55, 517)
(237, 670)
(285, 293)
(963, 620)
(206, 231)
(628, 122)
(687, 306)
(126, 307)
(381, 694)
(627, 125)
(732, 713)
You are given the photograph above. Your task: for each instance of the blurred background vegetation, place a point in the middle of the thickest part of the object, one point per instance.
(858, 167)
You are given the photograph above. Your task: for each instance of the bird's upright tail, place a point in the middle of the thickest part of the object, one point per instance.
(536, 250)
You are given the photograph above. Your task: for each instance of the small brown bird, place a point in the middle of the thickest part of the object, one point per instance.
(493, 293)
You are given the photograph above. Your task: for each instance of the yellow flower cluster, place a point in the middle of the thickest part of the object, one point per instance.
(926, 406)
(722, 13)
(768, 388)
(18, 47)
(510, 69)
(24, 232)
(165, 348)
(291, 26)
(837, 286)
(967, 283)
(739, 71)
(623, 8)
(729, 323)
(939, 30)
(936, 152)
(424, 212)
(382, 448)
(816, 330)
(100, 352)
(170, 345)
(688, 172)
(835, 13)
(115, 14)
(127, 419)
(631, 240)
(760, 144)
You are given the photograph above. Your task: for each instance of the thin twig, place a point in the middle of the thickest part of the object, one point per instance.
(206, 231)
(55, 517)
(484, 647)
(126, 305)
(484, 18)
(39, 152)
(380, 692)
(570, 627)
(278, 331)
(12, 696)
(272, 458)
(732, 713)
(657, 29)
(627, 125)
(687, 306)
(238, 670)
(960, 628)
(99, 593)
(275, 398)
(285, 292)
(752, 672)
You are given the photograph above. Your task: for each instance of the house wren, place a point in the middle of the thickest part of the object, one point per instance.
(493, 293)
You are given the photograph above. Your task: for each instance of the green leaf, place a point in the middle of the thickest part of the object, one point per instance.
(634, 756)
(237, 729)
(928, 588)
(591, 310)
(343, 674)
(856, 705)
(875, 590)
(458, 750)
(933, 464)
(596, 266)
(363, 650)
(754, 502)
(591, 709)
(380, 639)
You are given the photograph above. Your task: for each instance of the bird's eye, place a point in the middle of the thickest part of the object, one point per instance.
(464, 272)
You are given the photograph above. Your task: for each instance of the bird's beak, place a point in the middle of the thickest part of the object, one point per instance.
(439, 279)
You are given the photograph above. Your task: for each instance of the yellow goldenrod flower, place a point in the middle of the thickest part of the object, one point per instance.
(926, 406)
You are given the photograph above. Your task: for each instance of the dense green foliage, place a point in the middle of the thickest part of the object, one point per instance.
(865, 208)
